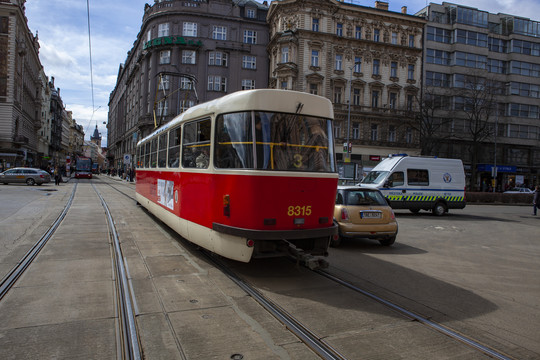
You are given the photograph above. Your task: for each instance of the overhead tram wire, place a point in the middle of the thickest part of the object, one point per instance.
(91, 68)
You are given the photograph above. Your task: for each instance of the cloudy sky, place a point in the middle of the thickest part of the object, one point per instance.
(62, 26)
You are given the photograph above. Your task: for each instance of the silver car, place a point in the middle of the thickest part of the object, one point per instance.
(30, 176)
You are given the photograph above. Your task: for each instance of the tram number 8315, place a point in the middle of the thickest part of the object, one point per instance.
(299, 210)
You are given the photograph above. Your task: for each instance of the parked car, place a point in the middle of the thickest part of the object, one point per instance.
(364, 213)
(30, 176)
(519, 190)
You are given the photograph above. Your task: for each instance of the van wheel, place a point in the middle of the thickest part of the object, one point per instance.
(439, 209)
(388, 241)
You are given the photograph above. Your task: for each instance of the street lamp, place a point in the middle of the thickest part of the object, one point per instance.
(349, 111)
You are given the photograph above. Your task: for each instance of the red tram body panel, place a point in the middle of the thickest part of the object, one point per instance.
(251, 174)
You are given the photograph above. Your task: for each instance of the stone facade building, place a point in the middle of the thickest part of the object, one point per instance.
(20, 88)
(186, 52)
(479, 63)
(368, 58)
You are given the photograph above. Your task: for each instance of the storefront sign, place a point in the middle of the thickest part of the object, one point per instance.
(172, 40)
(374, 158)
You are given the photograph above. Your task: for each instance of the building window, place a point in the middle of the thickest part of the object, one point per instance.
(393, 69)
(392, 100)
(285, 54)
(358, 32)
(339, 62)
(374, 132)
(315, 24)
(408, 135)
(250, 13)
(163, 108)
(375, 98)
(314, 57)
(391, 133)
(339, 29)
(497, 66)
(337, 130)
(376, 66)
(395, 38)
(217, 83)
(338, 90)
(357, 96)
(410, 72)
(376, 35)
(250, 37)
(217, 58)
(165, 57)
(186, 104)
(149, 35)
(313, 88)
(438, 79)
(163, 30)
(411, 40)
(357, 64)
(471, 60)
(186, 83)
(248, 84)
(164, 83)
(439, 57)
(219, 33)
(190, 29)
(471, 38)
(410, 100)
(439, 35)
(356, 131)
(249, 62)
(188, 56)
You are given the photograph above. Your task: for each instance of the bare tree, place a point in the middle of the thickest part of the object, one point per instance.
(476, 102)
(431, 119)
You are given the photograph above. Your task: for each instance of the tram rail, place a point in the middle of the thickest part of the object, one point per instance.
(15, 273)
(316, 343)
(129, 339)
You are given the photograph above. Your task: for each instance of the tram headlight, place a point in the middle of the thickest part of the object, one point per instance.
(226, 206)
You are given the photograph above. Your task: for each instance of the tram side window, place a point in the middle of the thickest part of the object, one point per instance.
(139, 156)
(234, 141)
(196, 144)
(174, 147)
(147, 155)
(162, 154)
(153, 153)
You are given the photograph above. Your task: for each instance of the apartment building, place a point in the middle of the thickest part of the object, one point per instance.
(366, 60)
(482, 85)
(187, 51)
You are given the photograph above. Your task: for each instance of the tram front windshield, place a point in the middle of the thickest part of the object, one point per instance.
(274, 141)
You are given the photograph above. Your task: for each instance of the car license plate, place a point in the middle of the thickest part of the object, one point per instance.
(370, 214)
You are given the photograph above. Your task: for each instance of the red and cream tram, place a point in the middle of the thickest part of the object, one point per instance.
(251, 174)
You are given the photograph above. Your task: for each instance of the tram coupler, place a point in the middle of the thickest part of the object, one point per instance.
(307, 260)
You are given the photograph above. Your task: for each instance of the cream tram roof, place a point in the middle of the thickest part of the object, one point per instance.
(272, 100)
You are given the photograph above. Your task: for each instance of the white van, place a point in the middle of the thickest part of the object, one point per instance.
(419, 183)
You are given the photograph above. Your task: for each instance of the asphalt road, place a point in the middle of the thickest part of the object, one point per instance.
(475, 270)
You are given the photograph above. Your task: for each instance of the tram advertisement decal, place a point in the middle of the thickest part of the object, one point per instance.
(165, 193)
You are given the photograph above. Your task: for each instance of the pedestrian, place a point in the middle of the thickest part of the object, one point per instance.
(536, 199)
(56, 176)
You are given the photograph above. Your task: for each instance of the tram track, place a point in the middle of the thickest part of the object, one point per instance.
(16, 272)
(475, 344)
(129, 346)
(127, 323)
(317, 343)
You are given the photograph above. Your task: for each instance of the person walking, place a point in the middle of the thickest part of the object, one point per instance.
(56, 176)
(536, 199)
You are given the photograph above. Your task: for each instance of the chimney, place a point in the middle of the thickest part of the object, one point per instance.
(381, 5)
(403, 9)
